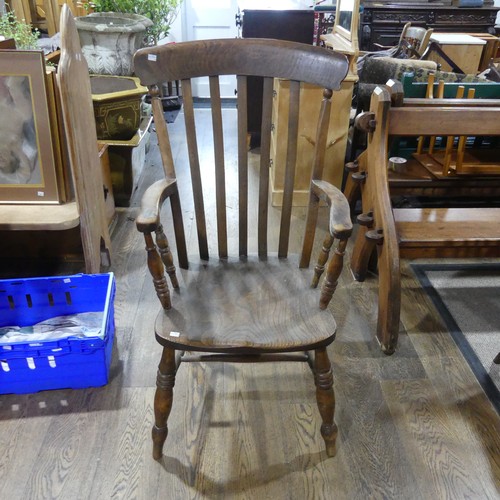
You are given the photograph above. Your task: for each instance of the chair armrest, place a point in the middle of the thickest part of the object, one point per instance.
(340, 214)
(148, 219)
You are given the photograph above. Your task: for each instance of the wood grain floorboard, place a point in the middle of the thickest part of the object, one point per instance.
(442, 457)
(416, 425)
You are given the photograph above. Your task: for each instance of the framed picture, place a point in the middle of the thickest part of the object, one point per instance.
(27, 161)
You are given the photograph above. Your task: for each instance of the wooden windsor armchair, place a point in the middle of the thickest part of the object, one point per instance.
(248, 308)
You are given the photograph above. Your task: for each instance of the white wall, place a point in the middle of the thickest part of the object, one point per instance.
(175, 34)
(177, 30)
(497, 4)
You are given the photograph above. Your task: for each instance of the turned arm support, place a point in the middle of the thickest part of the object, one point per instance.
(340, 216)
(159, 255)
(148, 219)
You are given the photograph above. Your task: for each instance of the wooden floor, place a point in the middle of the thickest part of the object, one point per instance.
(412, 426)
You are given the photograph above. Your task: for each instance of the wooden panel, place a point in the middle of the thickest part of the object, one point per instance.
(443, 121)
(448, 226)
(310, 104)
(74, 88)
(50, 217)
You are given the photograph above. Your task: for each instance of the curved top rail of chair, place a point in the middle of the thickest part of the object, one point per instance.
(249, 56)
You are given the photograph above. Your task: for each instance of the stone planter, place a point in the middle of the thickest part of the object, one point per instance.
(110, 39)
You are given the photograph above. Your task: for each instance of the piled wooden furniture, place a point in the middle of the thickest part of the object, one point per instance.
(343, 40)
(44, 14)
(429, 178)
(78, 222)
(250, 307)
(382, 21)
(413, 233)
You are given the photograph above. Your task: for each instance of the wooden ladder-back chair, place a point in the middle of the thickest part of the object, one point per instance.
(414, 233)
(248, 308)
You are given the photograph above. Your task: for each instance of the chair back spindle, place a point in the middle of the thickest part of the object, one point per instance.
(248, 58)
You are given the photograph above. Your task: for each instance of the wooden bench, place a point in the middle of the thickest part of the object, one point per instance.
(408, 232)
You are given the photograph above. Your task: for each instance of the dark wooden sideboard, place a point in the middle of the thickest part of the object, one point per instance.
(382, 22)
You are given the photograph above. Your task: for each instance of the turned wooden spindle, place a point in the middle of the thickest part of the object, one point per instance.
(352, 166)
(323, 257)
(428, 95)
(155, 266)
(332, 274)
(440, 95)
(376, 236)
(353, 183)
(462, 140)
(365, 220)
(362, 249)
(166, 255)
(325, 398)
(451, 139)
(165, 381)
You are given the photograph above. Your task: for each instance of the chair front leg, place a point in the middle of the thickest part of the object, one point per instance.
(325, 397)
(155, 266)
(165, 382)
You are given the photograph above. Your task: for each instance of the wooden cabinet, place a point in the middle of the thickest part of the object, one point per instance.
(310, 102)
(343, 40)
(382, 23)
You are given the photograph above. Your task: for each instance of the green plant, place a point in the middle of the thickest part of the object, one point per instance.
(161, 12)
(23, 34)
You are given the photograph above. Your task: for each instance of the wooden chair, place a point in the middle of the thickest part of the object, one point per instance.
(248, 308)
(416, 232)
(412, 43)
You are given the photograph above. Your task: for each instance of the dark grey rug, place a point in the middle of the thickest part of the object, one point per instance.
(468, 298)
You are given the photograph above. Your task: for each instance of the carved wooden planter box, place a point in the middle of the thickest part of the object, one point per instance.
(117, 106)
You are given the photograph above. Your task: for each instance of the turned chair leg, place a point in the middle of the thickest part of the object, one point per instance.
(165, 381)
(325, 397)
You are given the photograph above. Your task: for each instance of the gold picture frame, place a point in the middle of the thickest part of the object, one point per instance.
(28, 165)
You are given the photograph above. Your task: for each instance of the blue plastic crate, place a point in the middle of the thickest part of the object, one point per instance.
(66, 363)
